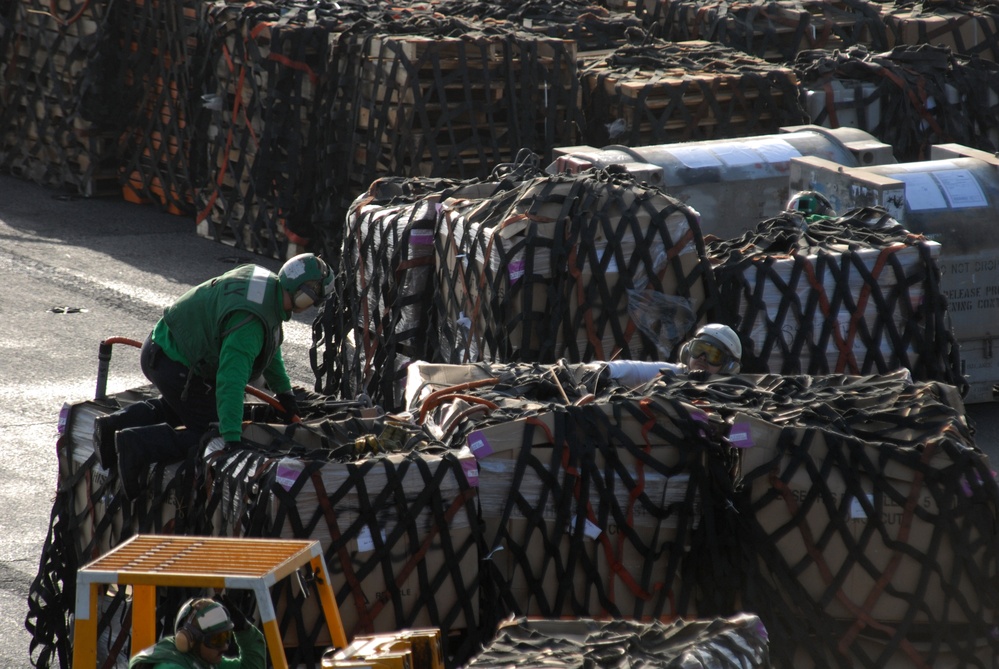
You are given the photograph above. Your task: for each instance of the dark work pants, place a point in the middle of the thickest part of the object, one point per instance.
(195, 408)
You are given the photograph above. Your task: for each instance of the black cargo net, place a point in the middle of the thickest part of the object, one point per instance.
(911, 97)
(583, 267)
(852, 514)
(382, 317)
(967, 28)
(161, 70)
(856, 294)
(269, 62)
(588, 24)
(738, 642)
(658, 92)
(774, 30)
(425, 95)
(59, 106)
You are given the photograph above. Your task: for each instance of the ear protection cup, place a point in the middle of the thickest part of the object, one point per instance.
(184, 641)
(305, 297)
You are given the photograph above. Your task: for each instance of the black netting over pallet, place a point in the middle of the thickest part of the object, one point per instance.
(161, 64)
(966, 28)
(589, 25)
(774, 30)
(399, 532)
(660, 92)
(432, 96)
(59, 115)
(738, 642)
(582, 267)
(871, 552)
(856, 294)
(382, 317)
(269, 67)
(910, 97)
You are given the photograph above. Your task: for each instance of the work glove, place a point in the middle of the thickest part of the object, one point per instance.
(236, 615)
(289, 404)
(214, 443)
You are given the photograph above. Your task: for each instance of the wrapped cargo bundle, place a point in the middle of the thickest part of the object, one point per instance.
(61, 106)
(417, 99)
(968, 29)
(866, 518)
(269, 64)
(856, 294)
(588, 24)
(397, 524)
(737, 642)
(588, 266)
(382, 317)
(873, 91)
(588, 507)
(163, 51)
(776, 30)
(660, 92)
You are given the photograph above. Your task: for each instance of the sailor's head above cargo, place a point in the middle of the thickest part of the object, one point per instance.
(715, 349)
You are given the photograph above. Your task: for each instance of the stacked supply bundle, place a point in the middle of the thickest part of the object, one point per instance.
(776, 30)
(865, 525)
(61, 108)
(588, 24)
(857, 294)
(737, 642)
(396, 521)
(588, 508)
(659, 92)
(911, 97)
(966, 28)
(445, 97)
(588, 266)
(163, 51)
(269, 63)
(382, 317)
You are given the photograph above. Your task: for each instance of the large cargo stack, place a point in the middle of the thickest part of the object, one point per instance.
(61, 105)
(660, 92)
(593, 266)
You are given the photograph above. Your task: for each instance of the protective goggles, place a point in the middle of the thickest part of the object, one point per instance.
(713, 355)
(219, 640)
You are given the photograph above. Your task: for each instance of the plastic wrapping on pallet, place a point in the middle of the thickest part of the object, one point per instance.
(659, 92)
(549, 270)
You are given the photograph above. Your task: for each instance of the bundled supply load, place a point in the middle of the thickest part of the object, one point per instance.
(911, 97)
(659, 92)
(739, 642)
(852, 514)
(966, 28)
(775, 30)
(589, 266)
(855, 294)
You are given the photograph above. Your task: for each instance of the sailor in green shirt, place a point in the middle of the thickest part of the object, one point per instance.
(203, 632)
(215, 339)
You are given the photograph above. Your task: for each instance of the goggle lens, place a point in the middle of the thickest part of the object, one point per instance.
(219, 641)
(712, 354)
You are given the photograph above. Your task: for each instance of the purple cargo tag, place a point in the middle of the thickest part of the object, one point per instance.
(471, 469)
(516, 270)
(740, 435)
(699, 416)
(479, 445)
(421, 237)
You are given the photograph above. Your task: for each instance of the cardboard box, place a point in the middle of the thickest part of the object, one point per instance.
(376, 570)
(827, 507)
(578, 539)
(970, 33)
(506, 296)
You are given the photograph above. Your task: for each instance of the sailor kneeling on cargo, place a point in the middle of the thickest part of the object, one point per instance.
(204, 630)
(208, 345)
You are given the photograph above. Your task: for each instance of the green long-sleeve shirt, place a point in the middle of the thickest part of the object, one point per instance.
(164, 654)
